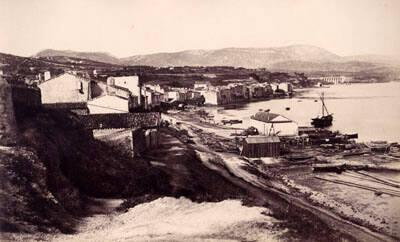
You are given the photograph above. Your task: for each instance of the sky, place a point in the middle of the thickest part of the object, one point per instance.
(129, 27)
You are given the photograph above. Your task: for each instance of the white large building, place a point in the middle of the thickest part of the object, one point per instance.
(130, 83)
(65, 88)
(108, 104)
(332, 79)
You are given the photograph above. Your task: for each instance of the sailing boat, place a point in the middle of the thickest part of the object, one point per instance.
(325, 120)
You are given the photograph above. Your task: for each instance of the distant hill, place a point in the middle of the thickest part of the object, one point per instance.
(239, 57)
(93, 56)
(302, 58)
(378, 59)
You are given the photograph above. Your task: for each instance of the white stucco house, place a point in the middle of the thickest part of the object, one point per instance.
(65, 88)
(130, 83)
(111, 104)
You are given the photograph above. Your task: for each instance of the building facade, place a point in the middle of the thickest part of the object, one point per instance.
(65, 88)
(332, 79)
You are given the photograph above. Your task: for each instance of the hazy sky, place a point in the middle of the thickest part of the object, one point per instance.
(129, 27)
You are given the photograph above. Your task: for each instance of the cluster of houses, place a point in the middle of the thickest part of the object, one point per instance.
(118, 95)
(126, 93)
(240, 90)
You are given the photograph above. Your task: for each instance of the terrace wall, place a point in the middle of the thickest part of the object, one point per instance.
(120, 120)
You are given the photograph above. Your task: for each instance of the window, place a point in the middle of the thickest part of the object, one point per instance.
(81, 88)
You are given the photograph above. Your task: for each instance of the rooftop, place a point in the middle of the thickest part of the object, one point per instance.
(269, 117)
(262, 139)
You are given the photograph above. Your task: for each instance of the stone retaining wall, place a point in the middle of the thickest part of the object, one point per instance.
(120, 120)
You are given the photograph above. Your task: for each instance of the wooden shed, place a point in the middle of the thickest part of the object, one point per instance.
(261, 146)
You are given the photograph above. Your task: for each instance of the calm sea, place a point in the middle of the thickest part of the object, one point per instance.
(371, 110)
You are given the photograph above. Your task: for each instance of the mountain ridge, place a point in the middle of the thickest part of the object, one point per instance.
(231, 56)
(94, 56)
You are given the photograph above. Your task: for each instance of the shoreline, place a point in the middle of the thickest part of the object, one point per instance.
(198, 126)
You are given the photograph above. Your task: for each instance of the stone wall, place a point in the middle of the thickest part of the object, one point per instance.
(68, 106)
(26, 96)
(120, 120)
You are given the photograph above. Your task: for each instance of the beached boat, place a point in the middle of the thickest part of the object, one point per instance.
(378, 146)
(298, 156)
(326, 119)
(231, 121)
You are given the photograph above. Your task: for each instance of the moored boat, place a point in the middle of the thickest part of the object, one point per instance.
(326, 119)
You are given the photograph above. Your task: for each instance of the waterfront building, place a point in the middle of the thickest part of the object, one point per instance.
(286, 87)
(332, 79)
(274, 87)
(65, 88)
(259, 90)
(195, 95)
(210, 96)
(176, 95)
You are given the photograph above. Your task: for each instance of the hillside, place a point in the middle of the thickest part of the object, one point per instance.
(296, 58)
(94, 56)
(243, 57)
(304, 58)
(51, 171)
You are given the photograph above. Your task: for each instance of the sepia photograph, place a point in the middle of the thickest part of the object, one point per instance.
(200, 120)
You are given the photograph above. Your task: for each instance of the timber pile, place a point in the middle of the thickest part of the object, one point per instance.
(217, 143)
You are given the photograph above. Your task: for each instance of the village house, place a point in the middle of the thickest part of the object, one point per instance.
(286, 87)
(178, 94)
(111, 104)
(259, 90)
(129, 84)
(194, 94)
(224, 95)
(255, 91)
(157, 88)
(199, 85)
(239, 92)
(65, 88)
(210, 96)
(152, 98)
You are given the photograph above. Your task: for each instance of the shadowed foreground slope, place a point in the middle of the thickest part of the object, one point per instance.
(48, 176)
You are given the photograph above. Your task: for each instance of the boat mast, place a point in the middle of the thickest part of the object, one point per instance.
(324, 108)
